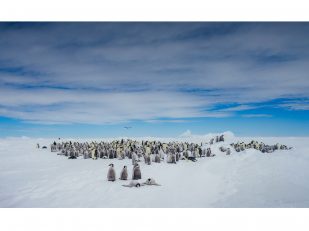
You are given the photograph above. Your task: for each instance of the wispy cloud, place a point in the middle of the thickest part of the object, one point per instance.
(256, 115)
(238, 108)
(302, 104)
(116, 72)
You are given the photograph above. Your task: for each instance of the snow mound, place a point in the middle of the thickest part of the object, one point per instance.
(188, 136)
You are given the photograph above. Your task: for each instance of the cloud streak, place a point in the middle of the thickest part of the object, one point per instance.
(100, 73)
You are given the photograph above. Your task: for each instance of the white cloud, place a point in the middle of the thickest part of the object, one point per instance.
(110, 73)
(256, 115)
(239, 108)
(296, 104)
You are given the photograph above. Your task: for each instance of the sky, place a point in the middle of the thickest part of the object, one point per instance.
(159, 79)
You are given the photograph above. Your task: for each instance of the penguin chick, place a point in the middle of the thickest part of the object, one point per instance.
(124, 173)
(111, 175)
(133, 183)
(157, 158)
(136, 173)
(150, 181)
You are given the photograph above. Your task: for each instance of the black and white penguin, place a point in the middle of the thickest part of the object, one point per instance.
(157, 158)
(147, 159)
(177, 156)
(150, 181)
(110, 154)
(221, 139)
(86, 154)
(124, 173)
(173, 158)
(136, 173)
(111, 174)
(134, 158)
(133, 183)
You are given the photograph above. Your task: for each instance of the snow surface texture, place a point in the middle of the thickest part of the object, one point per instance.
(31, 177)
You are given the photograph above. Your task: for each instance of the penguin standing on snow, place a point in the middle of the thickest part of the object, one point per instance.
(173, 159)
(111, 174)
(157, 158)
(136, 172)
(147, 159)
(93, 154)
(134, 158)
(124, 173)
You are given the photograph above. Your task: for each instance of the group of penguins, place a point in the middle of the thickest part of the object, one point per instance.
(153, 151)
(150, 151)
(264, 148)
(136, 175)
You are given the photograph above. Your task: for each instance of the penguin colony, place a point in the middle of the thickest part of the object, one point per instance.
(259, 146)
(148, 151)
(153, 151)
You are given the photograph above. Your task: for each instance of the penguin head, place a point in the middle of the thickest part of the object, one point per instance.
(124, 166)
(112, 165)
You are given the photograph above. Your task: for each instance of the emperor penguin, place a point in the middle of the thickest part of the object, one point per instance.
(110, 154)
(147, 159)
(124, 173)
(150, 181)
(133, 183)
(111, 174)
(136, 172)
(177, 156)
(221, 138)
(208, 153)
(217, 139)
(157, 158)
(173, 158)
(93, 154)
(134, 158)
(161, 153)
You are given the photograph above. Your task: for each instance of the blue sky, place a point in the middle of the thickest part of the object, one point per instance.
(92, 79)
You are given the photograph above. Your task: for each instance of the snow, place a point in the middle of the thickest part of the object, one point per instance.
(31, 177)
